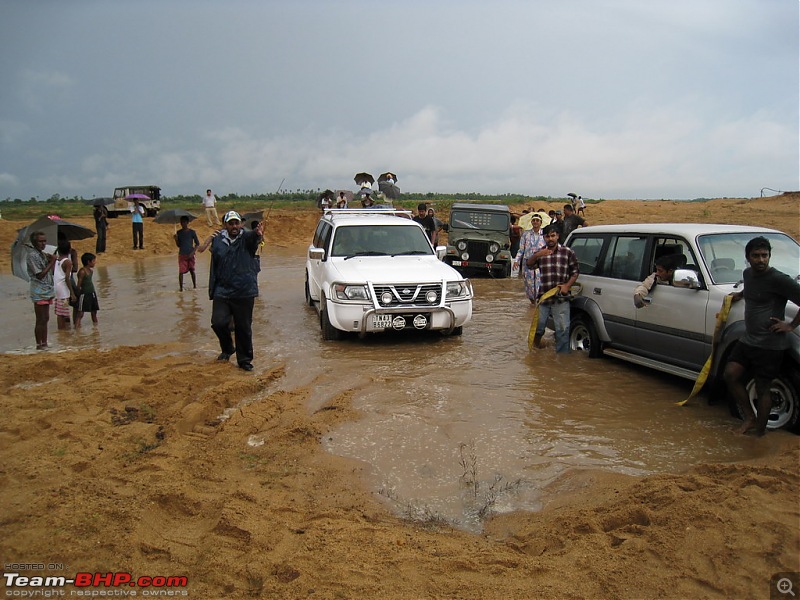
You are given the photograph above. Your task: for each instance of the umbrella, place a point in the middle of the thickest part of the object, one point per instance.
(248, 218)
(390, 190)
(387, 176)
(137, 197)
(173, 216)
(572, 195)
(53, 228)
(525, 220)
(99, 201)
(362, 178)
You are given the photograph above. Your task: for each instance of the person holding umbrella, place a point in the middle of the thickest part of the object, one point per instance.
(187, 243)
(137, 220)
(40, 270)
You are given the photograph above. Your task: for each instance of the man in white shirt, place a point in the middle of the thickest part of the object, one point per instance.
(210, 204)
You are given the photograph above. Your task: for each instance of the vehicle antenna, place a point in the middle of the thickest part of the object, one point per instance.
(273, 200)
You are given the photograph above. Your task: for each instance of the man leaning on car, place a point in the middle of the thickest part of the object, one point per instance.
(760, 350)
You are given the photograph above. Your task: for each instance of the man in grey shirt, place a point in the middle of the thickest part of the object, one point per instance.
(760, 351)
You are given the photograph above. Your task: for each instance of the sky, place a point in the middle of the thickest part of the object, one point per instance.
(676, 99)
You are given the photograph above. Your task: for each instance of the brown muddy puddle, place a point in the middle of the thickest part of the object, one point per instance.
(451, 428)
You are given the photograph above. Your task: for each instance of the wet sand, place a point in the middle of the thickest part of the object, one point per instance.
(157, 460)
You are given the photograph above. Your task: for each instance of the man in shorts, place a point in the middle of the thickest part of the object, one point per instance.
(187, 242)
(760, 351)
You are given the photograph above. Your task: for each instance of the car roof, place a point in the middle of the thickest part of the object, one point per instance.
(366, 216)
(683, 229)
(492, 207)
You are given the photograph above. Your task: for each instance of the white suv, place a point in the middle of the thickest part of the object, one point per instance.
(372, 271)
(673, 332)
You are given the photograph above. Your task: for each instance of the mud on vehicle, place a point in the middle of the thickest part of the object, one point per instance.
(479, 238)
(122, 206)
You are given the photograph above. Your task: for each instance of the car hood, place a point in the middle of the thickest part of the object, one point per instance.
(403, 269)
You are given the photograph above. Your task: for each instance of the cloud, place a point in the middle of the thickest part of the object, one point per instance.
(8, 180)
(651, 153)
(37, 89)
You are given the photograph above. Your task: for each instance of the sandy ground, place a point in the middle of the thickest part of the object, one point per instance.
(118, 468)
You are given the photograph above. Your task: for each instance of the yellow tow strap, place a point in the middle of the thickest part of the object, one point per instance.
(722, 316)
(532, 333)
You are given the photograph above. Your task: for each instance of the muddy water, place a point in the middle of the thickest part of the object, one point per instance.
(452, 428)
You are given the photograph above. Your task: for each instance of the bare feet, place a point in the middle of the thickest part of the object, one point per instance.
(750, 427)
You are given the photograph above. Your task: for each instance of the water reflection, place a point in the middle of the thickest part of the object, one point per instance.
(451, 426)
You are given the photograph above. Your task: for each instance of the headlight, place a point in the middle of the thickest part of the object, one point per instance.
(494, 247)
(465, 256)
(462, 245)
(489, 258)
(350, 292)
(457, 289)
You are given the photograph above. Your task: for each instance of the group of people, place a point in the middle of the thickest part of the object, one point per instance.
(52, 281)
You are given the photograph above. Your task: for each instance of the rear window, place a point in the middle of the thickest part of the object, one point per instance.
(588, 251)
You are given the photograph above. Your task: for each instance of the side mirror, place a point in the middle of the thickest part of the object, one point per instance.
(686, 278)
(440, 252)
(316, 253)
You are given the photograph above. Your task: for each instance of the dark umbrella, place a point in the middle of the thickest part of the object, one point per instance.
(390, 190)
(362, 178)
(54, 228)
(387, 176)
(571, 195)
(248, 218)
(99, 201)
(173, 216)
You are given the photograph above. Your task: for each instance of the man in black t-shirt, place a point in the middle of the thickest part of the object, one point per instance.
(424, 219)
(760, 351)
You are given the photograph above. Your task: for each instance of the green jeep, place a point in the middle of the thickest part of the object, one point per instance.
(478, 238)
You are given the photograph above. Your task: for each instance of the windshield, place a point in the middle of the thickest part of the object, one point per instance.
(723, 254)
(479, 220)
(379, 240)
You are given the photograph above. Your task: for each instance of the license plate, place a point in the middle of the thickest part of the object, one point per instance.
(381, 321)
(456, 263)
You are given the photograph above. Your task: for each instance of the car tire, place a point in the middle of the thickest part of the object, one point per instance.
(329, 332)
(455, 331)
(785, 413)
(583, 337)
(309, 299)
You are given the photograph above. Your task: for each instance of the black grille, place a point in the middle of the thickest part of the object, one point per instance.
(477, 250)
(412, 294)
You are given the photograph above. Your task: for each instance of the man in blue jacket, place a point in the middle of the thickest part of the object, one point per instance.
(233, 286)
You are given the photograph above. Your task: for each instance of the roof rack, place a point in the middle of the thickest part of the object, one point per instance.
(367, 211)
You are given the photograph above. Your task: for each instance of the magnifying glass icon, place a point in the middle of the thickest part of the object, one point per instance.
(784, 586)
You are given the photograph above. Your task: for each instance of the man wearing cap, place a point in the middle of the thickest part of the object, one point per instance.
(558, 223)
(531, 242)
(233, 286)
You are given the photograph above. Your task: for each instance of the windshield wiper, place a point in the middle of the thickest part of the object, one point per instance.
(465, 224)
(410, 252)
(366, 253)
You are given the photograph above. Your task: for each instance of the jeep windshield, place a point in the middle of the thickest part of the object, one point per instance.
(379, 240)
(486, 221)
(723, 253)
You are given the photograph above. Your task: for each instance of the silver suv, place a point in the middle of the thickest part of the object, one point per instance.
(673, 332)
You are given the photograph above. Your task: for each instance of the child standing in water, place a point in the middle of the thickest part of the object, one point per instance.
(87, 298)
